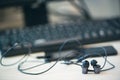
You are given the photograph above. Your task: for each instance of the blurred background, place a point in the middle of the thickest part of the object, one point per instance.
(20, 13)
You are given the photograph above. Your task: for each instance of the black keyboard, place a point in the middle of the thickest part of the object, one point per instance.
(49, 38)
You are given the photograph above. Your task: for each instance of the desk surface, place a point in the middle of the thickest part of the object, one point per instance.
(65, 72)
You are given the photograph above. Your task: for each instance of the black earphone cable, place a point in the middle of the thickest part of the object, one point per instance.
(23, 70)
(106, 61)
(6, 52)
(60, 58)
(113, 66)
(105, 57)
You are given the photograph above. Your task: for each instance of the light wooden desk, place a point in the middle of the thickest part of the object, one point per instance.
(64, 72)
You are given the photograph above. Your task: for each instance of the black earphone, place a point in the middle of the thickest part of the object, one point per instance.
(96, 67)
(85, 66)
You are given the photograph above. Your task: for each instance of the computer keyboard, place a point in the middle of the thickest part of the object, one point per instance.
(49, 38)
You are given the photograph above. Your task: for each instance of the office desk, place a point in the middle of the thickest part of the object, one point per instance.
(65, 72)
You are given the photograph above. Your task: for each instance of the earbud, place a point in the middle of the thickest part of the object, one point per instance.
(85, 65)
(96, 67)
(93, 62)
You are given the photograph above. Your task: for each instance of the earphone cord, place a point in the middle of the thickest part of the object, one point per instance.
(60, 49)
(1, 59)
(113, 66)
(23, 70)
(106, 61)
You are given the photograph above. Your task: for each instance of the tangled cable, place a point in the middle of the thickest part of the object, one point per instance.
(6, 52)
(60, 58)
(23, 70)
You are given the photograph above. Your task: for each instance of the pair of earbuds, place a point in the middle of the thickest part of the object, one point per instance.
(85, 67)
